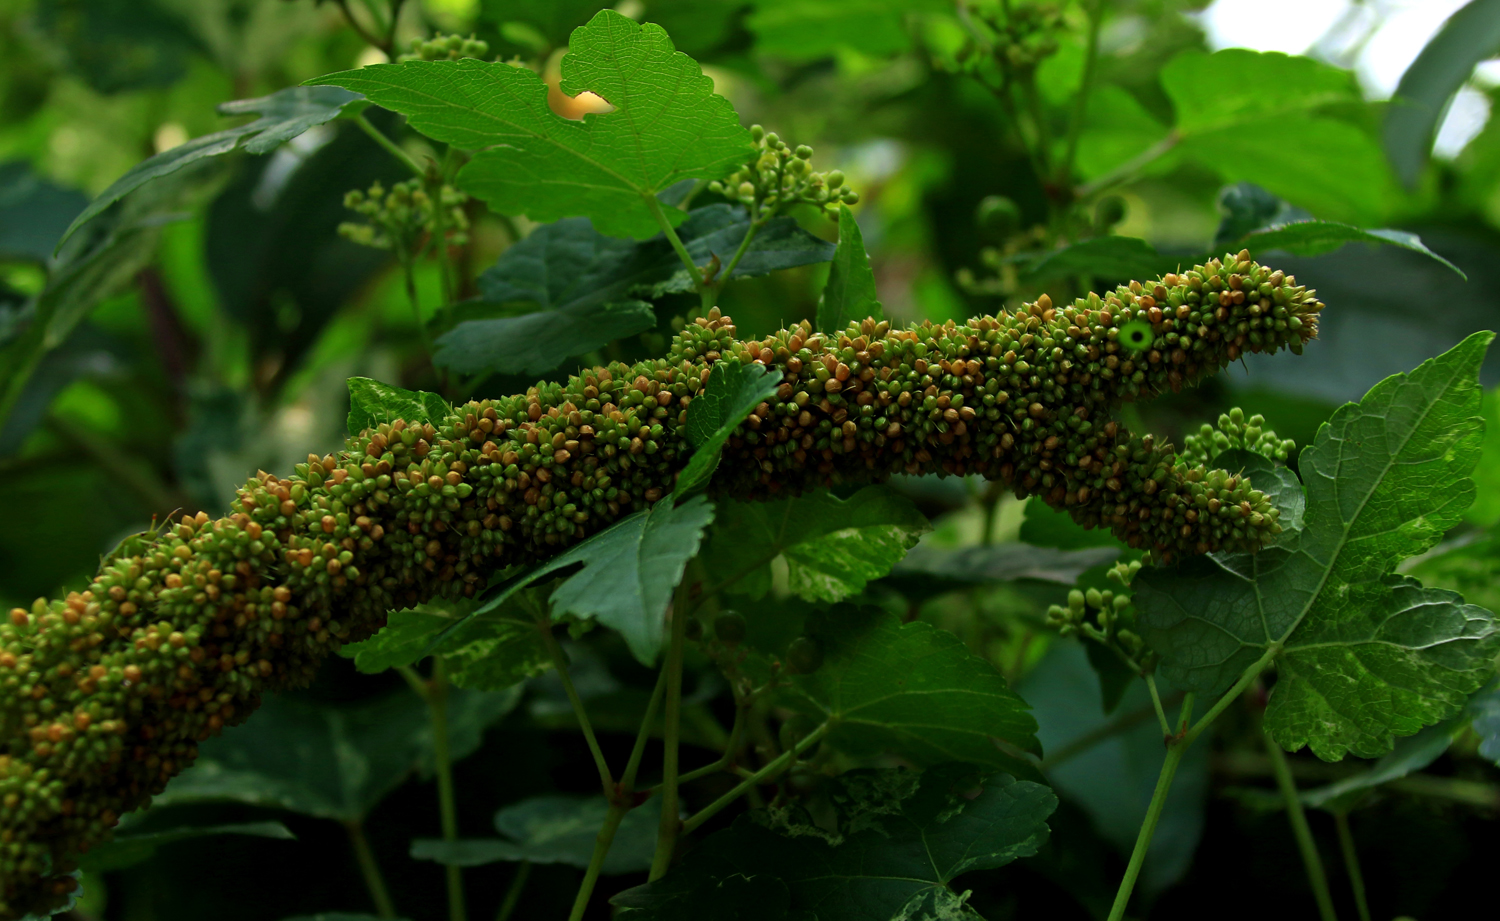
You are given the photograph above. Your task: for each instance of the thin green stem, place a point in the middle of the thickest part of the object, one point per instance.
(1121, 723)
(670, 233)
(627, 780)
(437, 700)
(416, 682)
(1230, 696)
(513, 892)
(666, 836)
(1148, 828)
(391, 147)
(605, 838)
(369, 37)
(1313, 863)
(734, 261)
(1131, 167)
(1351, 865)
(1095, 13)
(369, 868)
(410, 279)
(731, 747)
(772, 768)
(560, 663)
(1161, 713)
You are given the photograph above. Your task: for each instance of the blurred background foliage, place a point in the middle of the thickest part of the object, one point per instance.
(204, 329)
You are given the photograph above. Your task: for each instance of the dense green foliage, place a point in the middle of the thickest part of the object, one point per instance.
(891, 598)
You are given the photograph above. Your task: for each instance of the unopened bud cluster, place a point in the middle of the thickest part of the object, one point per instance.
(1020, 35)
(105, 694)
(780, 176)
(446, 48)
(1106, 617)
(1235, 432)
(401, 218)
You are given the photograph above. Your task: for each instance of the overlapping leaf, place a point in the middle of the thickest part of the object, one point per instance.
(1362, 656)
(554, 829)
(667, 125)
(850, 292)
(489, 654)
(733, 391)
(372, 403)
(910, 689)
(832, 547)
(902, 840)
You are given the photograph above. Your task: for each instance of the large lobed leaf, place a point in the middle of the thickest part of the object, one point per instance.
(912, 689)
(832, 547)
(1362, 656)
(901, 841)
(667, 125)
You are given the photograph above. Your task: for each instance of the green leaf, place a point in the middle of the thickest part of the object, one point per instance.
(1117, 129)
(630, 570)
(901, 840)
(535, 343)
(554, 829)
(733, 391)
(1002, 563)
(832, 547)
(1484, 709)
(667, 125)
(850, 293)
(1313, 238)
(1362, 656)
(554, 19)
(1045, 526)
(1486, 508)
(119, 45)
(1235, 86)
(334, 762)
(1247, 208)
(1107, 257)
(717, 230)
(371, 403)
(1470, 36)
(129, 849)
(1112, 780)
(1468, 565)
(910, 689)
(1407, 756)
(802, 30)
(33, 213)
(283, 115)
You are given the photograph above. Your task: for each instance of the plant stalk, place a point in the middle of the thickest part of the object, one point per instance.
(437, 700)
(784, 760)
(369, 868)
(1316, 877)
(1148, 828)
(1161, 713)
(666, 836)
(513, 892)
(560, 663)
(391, 147)
(1351, 865)
(670, 233)
(605, 838)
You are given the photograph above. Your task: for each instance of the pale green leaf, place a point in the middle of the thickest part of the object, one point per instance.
(733, 391)
(850, 293)
(806, 29)
(667, 125)
(1362, 656)
(1235, 86)
(901, 840)
(832, 547)
(372, 403)
(1407, 756)
(910, 689)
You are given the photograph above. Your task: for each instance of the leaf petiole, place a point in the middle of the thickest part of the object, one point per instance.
(1161, 713)
(670, 233)
(773, 768)
(390, 146)
(602, 842)
(560, 663)
(1316, 877)
(666, 836)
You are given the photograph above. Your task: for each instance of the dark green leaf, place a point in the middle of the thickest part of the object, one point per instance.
(733, 391)
(850, 293)
(910, 689)
(555, 20)
(118, 45)
(902, 839)
(1002, 563)
(718, 230)
(1106, 258)
(490, 653)
(832, 546)
(1247, 208)
(554, 829)
(1486, 508)
(630, 570)
(535, 343)
(372, 403)
(1113, 779)
(1313, 238)
(33, 213)
(1484, 710)
(129, 849)
(1045, 526)
(1407, 756)
(667, 125)
(1470, 36)
(1362, 656)
(805, 29)
(283, 115)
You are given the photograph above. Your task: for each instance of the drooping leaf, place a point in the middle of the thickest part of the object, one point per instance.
(1470, 36)
(535, 343)
(1247, 208)
(372, 403)
(334, 762)
(1407, 756)
(802, 30)
(554, 829)
(1362, 656)
(1113, 780)
(1313, 238)
(902, 840)
(733, 391)
(667, 125)
(850, 292)
(33, 213)
(283, 115)
(832, 546)
(630, 570)
(128, 849)
(910, 689)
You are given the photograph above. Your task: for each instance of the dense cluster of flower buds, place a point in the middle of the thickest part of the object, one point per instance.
(780, 176)
(1235, 432)
(105, 694)
(400, 219)
(1107, 617)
